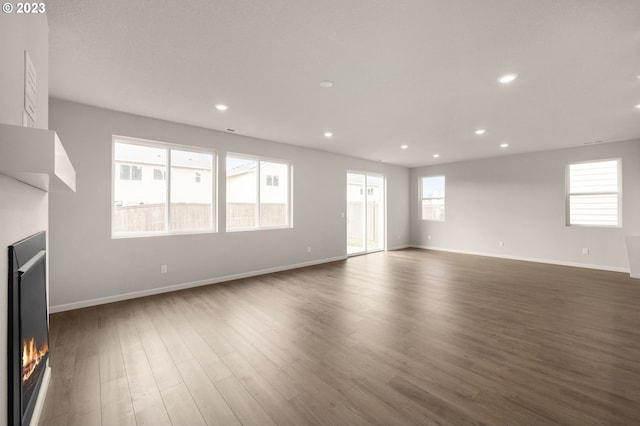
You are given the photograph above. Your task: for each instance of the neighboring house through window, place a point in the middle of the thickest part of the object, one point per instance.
(154, 191)
(258, 193)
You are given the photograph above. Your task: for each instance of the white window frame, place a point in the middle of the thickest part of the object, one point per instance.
(569, 194)
(167, 179)
(422, 198)
(258, 159)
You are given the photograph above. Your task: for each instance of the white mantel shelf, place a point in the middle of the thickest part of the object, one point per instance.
(35, 157)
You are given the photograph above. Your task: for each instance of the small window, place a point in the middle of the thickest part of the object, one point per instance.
(432, 198)
(136, 172)
(256, 196)
(593, 193)
(158, 174)
(125, 172)
(273, 180)
(198, 177)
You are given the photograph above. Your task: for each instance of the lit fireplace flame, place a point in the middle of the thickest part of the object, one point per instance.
(31, 357)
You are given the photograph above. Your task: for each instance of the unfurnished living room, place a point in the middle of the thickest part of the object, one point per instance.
(278, 212)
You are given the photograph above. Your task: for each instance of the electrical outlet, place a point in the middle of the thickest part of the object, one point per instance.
(501, 243)
(429, 237)
(309, 249)
(163, 269)
(585, 250)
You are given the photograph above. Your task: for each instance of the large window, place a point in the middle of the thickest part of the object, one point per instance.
(432, 198)
(154, 190)
(593, 193)
(258, 193)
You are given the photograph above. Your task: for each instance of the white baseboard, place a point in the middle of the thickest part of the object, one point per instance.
(42, 395)
(529, 259)
(634, 275)
(167, 289)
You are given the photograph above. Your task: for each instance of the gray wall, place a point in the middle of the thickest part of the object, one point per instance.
(19, 33)
(23, 209)
(520, 200)
(86, 264)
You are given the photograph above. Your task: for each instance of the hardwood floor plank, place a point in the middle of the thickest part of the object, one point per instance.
(181, 407)
(150, 410)
(377, 410)
(211, 404)
(139, 375)
(84, 396)
(244, 406)
(320, 401)
(111, 364)
(84, 418)
(262, 391)
(117, 407)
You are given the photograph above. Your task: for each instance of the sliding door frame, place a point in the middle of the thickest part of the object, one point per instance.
(383, 230)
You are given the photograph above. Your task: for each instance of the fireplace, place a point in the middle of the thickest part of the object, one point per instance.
(28, 332)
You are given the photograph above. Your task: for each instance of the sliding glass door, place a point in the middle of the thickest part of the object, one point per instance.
(365, 213)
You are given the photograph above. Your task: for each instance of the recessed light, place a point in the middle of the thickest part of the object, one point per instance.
(480, 132)
(404, 146)
(504, 145)
(436, 155)
(637, 106)
(328, 134)
(507, 78)
(221, 107)
(326, 84)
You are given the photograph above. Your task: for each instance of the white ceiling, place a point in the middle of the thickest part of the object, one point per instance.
(415, 72)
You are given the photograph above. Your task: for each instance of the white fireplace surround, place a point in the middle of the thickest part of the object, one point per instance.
(37, 158)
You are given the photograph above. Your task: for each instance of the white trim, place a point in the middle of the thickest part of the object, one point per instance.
(167, 289)
(42, 395)
(632, 275)
(527, 259)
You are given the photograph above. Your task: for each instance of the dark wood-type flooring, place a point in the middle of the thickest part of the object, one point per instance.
(396, 338)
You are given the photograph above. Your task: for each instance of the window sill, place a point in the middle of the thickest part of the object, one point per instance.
(160, 234)
(264, 228)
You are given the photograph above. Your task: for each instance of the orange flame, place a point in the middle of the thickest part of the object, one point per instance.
(31, 357)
